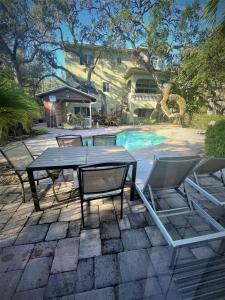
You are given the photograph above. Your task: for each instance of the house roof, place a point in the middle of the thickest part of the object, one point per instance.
(59, 93)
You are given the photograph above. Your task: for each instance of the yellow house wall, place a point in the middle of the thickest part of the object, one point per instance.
(107, 69)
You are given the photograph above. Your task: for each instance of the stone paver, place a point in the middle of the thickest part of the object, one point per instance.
(32, 234)
(135, 239)
(61, 284)
(107, 271)
(49, 216)
(124, 223)
(35, 294)
(70, 214)
(85, 275)
(7, 240)
(35, 274)
(92, 221)
(160, 258)
(109, 230)
(44, 249)
(137, 220)
(155, 236)
(34, 218)
(8, 283)
(14, 258)
(135, 265)
(112, 246)
(151, 287)
(74, 228)
(66, 255)
(99, 294)
(203, 252)
(57, 231)
(107, 215)
(90, 243)
(130, 290)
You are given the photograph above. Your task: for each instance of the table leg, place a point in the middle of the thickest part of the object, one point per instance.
(33, 189)
(133, 179)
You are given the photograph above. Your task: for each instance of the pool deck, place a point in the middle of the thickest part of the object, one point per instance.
(48, 255)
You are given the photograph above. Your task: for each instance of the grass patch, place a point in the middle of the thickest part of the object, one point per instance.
(40, 131)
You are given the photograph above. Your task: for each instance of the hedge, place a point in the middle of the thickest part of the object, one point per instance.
(201, 121)
(215, 139)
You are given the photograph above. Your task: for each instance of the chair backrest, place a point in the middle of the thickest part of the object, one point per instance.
(170, 172)
(104, 140)
(210, 165)
(102, 178)
(17, 156)
(69, 140)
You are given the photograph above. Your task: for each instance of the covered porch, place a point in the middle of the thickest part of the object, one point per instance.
(65, 104)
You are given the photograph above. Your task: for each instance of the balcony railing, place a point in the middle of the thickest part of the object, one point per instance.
(144, 97)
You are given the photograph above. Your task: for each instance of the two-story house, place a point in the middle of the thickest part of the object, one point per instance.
(123, 85)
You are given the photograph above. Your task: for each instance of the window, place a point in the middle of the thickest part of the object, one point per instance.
(87, 59)
(82, 111)
(119, 60)
(146, 86)
(105, 86)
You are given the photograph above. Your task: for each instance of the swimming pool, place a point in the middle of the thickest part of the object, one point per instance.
(134, 139)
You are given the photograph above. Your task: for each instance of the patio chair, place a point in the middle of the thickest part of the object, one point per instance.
(168, 174)
(210, 168)
(69, 140)
(18, 158)
(101, 181)
(104, 140)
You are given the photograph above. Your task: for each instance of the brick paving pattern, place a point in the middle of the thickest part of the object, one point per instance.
(48, 255)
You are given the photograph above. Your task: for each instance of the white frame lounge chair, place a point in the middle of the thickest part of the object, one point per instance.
(209, 166)
(170, 173)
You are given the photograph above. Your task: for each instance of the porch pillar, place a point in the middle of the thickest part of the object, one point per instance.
(90, 115)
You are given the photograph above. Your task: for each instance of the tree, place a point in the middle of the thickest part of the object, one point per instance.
(201, 75)
(26, 43)
(210, 14)
(161, 26)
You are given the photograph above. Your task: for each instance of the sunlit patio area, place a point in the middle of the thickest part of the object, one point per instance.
(49, 254)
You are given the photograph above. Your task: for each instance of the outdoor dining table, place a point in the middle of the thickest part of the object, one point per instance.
(72, 157)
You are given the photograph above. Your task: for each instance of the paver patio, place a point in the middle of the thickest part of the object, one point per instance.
(47, 255)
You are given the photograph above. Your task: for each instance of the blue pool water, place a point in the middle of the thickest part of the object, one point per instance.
(134, 139)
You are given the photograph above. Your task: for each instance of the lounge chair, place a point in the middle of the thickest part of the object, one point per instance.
(18, 157)
(101, 181)
(169, 174)
(210, 168)
(104, 140)
(69, 140)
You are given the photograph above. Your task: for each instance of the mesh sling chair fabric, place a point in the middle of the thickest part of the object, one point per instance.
(207, 168)
(18, 157)
(104, 140)
(69, 140)
(102, 181)
(169, 173)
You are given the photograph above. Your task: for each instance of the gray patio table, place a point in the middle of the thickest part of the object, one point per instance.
(72, 157)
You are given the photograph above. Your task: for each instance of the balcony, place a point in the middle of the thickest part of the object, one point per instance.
(144, 97)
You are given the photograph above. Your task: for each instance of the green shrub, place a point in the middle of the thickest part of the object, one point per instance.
(201, 121)
(215, 139)
(149, 121)
(40, 131)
